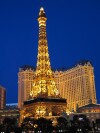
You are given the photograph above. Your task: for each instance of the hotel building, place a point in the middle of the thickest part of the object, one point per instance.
(25, 81)
(77, 85)
(2, 97)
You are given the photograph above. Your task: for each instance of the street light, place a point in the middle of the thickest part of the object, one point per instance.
(79, 130)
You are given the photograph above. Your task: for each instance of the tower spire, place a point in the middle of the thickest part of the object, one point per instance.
(44, 84)
(42, 13)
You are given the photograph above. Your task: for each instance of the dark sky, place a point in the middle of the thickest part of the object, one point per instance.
(73, 31)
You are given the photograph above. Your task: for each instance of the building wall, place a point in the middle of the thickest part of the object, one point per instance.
(2, 97)
(89, 108)
(11, 113)
(77, 85)
(25, 82)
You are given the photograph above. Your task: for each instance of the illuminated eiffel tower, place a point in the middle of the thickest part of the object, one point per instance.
(45, 100)
(44, 84)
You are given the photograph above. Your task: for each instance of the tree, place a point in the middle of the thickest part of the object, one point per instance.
(9, 124)
(81, 122)
(27, 124)
(62, 124)
(44, 125)
(40, 124)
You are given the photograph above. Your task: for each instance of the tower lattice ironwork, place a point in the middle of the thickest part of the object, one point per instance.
(44, 84)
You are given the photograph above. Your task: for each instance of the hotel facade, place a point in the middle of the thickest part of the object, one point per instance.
(25, 82)
(77, 85)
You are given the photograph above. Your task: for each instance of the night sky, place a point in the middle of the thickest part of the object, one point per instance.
(73, 32)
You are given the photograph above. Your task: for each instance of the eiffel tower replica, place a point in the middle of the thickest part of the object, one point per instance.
(45, 100)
